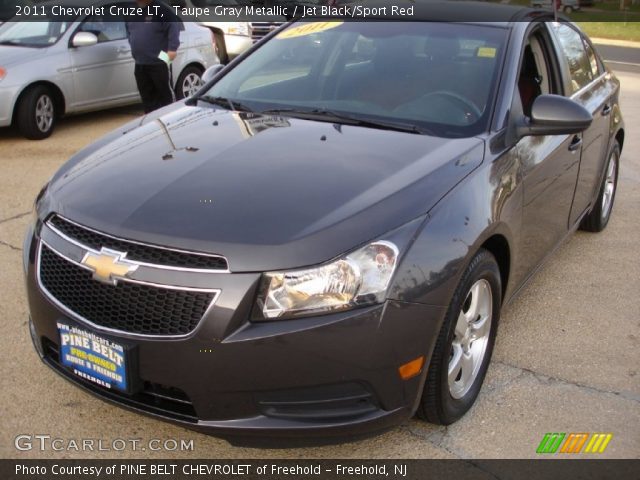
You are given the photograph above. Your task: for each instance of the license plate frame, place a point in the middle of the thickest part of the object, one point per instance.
(96, 358)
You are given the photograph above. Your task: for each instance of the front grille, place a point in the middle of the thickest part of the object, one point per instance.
(261, 29)
(127, 307)
(136, 251)
(153, 397)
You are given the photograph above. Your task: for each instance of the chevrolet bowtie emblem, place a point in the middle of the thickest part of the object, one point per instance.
(108, 265)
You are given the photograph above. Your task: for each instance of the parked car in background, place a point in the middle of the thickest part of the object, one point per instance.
(61, 66)
(233, 38)
(348, 208)
(566, 6)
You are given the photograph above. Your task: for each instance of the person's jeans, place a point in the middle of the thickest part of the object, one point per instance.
(154, 85)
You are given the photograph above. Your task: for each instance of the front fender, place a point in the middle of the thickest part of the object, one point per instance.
(485, 204)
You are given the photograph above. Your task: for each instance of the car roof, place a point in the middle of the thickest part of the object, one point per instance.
(461, 11)
(424, 10)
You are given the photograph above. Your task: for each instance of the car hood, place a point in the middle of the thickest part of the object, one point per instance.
(266, 192)
(12, 55)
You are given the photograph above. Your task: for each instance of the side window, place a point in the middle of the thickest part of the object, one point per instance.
(573, 47)
(593, 60)
(106, 31)
(535, 73)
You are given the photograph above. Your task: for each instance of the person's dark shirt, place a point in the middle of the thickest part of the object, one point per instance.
(150, 35)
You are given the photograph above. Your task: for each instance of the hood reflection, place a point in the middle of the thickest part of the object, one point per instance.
(253, 123)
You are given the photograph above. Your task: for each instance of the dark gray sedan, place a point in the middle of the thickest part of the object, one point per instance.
(319, 243)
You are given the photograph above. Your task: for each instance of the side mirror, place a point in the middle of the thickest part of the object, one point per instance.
(555, 115)
(84, 39)
(211, 72)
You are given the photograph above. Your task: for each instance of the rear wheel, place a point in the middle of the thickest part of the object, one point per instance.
(598, 218)
(36, 113)
(189, 82)
(465, 343)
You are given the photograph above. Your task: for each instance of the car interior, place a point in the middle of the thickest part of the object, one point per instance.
(442, 78)
(534, 78)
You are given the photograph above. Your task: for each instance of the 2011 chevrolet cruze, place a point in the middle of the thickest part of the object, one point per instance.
(319, 243)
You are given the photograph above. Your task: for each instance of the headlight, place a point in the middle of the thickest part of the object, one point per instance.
(236, 28)
(359, 278)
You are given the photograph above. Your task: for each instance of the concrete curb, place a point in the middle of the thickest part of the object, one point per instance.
(615, 43)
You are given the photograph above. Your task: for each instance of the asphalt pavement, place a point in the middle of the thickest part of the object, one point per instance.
(567, 358)
(620, 56)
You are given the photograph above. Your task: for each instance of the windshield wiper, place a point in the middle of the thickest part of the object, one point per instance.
(221, 102)
(343, 118)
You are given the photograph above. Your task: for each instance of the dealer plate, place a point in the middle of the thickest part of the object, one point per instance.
(92, 357)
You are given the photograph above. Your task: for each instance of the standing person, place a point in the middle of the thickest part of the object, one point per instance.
(154, 42)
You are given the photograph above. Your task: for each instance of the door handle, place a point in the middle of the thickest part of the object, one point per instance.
(123, 50)
(576, 143)
(606, 110)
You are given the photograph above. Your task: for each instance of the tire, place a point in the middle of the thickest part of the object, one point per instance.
(599, 216)
(568, 10)
(478, 296)
(185, 86)
(36, 113)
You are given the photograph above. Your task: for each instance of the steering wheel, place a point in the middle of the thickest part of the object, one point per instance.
(468, 107)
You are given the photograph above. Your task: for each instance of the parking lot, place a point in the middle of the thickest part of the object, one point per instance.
(567, 357)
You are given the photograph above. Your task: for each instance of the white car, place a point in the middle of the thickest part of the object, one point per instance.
(60, 66)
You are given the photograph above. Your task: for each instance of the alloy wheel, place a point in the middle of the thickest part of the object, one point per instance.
(609, 185)
(191, 84)
(471, 338)
(44, 113)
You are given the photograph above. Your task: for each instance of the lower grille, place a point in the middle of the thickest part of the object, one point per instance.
(153, 398)
(127, 307)
(321, 403)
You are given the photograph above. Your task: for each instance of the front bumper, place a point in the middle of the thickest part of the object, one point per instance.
(8, 96)
(331, 377)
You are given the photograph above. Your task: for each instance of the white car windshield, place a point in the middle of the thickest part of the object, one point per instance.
(33, 34)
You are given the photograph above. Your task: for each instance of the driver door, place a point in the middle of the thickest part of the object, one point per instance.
(549, 164)
(103, 73)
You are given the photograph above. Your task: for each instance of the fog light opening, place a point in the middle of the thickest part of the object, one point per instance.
(412, 368)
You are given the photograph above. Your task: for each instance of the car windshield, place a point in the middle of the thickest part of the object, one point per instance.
(34, 34)
(437, 77)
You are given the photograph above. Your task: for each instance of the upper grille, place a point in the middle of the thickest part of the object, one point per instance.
(128, 307)
(136, 251)
(261, 29)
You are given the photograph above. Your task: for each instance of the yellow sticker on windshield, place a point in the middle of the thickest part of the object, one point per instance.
(308, 29)
(486, 52)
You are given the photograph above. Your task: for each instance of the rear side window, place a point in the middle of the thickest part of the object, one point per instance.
(596, 69)
(574, 50)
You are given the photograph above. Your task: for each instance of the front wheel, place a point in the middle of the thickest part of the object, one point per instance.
(465, 343)
(36, 113)
(598, 218)
(189, 82)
